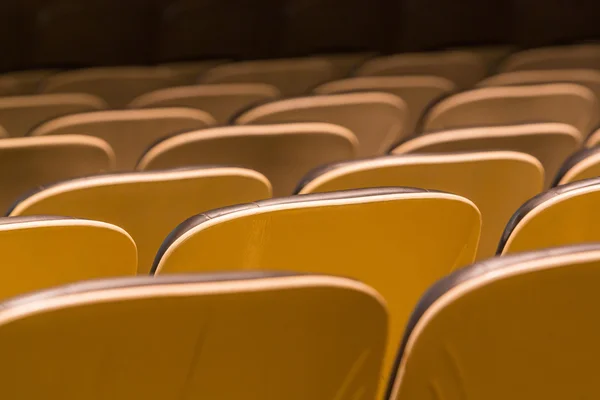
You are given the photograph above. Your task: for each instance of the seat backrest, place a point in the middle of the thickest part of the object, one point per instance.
(593, 139)
(196, 336)
(40, 252)
(557, 57)
(585, 77)
(563, 215)
(463, 68)
(221, 101)
(129, 132)
(486, 331)
(550, 143)
(188, 72)
(556, 102)
(384, 237)
(118, 86)
(28, 163)
(581, 165)
(283, 153)
(28, 82)
(20, 114)
(377, 119)
(418, 92)
(498, 182)
(148, 205)
(292, 77)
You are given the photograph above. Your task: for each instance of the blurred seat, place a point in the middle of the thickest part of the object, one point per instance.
(556, 57)
(581, 165)
(293, 77)
(491, 55)
(20, 114)
(148, 205)
(129, 132)
(498, 182)
(222, 101)
(40, 252)
(189, 72)
(593, 139)
(283, 153)
(377, 119)
(118, 86)
(382, 237)
(550, 143)
(27, 82)
(563, 215)
(418, 92)
(584, 77)
(540, 300)
(463, 68)
(156, 337)
(344, 64)
(556, 102)
(28, 163)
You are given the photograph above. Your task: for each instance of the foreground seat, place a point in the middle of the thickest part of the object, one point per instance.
(293, 77)
(541, 300)
(498, 182)
(377, 119)
(418, 92)
(563, 215)
(156, 337)
(129, 132)
(465, 69)
(581, 165)
(557, 57)
(550, 143)
(147, 205)
(557, 102)
(283, 153)
(20, 114)
(118, 86)
(40, 252)
(28, 163)
(222, 101)
(382, 237)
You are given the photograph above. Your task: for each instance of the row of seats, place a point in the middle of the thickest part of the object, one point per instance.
(271, 335)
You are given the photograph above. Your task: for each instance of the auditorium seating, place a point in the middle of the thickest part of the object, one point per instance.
(129, 132)
(148, 205)
(40, 252)
(257, 334)
(563, 215)
(398, 240)
(283, 153)
(514, 327)
(581, 165)
(377, 119)
(497, 182)
(551, 143)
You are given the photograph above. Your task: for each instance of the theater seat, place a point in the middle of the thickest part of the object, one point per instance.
(486, 330)
(188, 72)
(28, 163)
(556, 57)
(293, 77)
(206, 336)
(593, 139)
(551, 143)
(40, 252)
(418, 92)
(129, 132)
(20, 114)
(557, 102)
(148, 205)
(463, 68)
(563, 215)
(28, 81)
(345, 63)
(581, 165)
(283, 153)
(397, 240)
(221, 101)
(377, 119)
(498, 182)
(118, 86)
